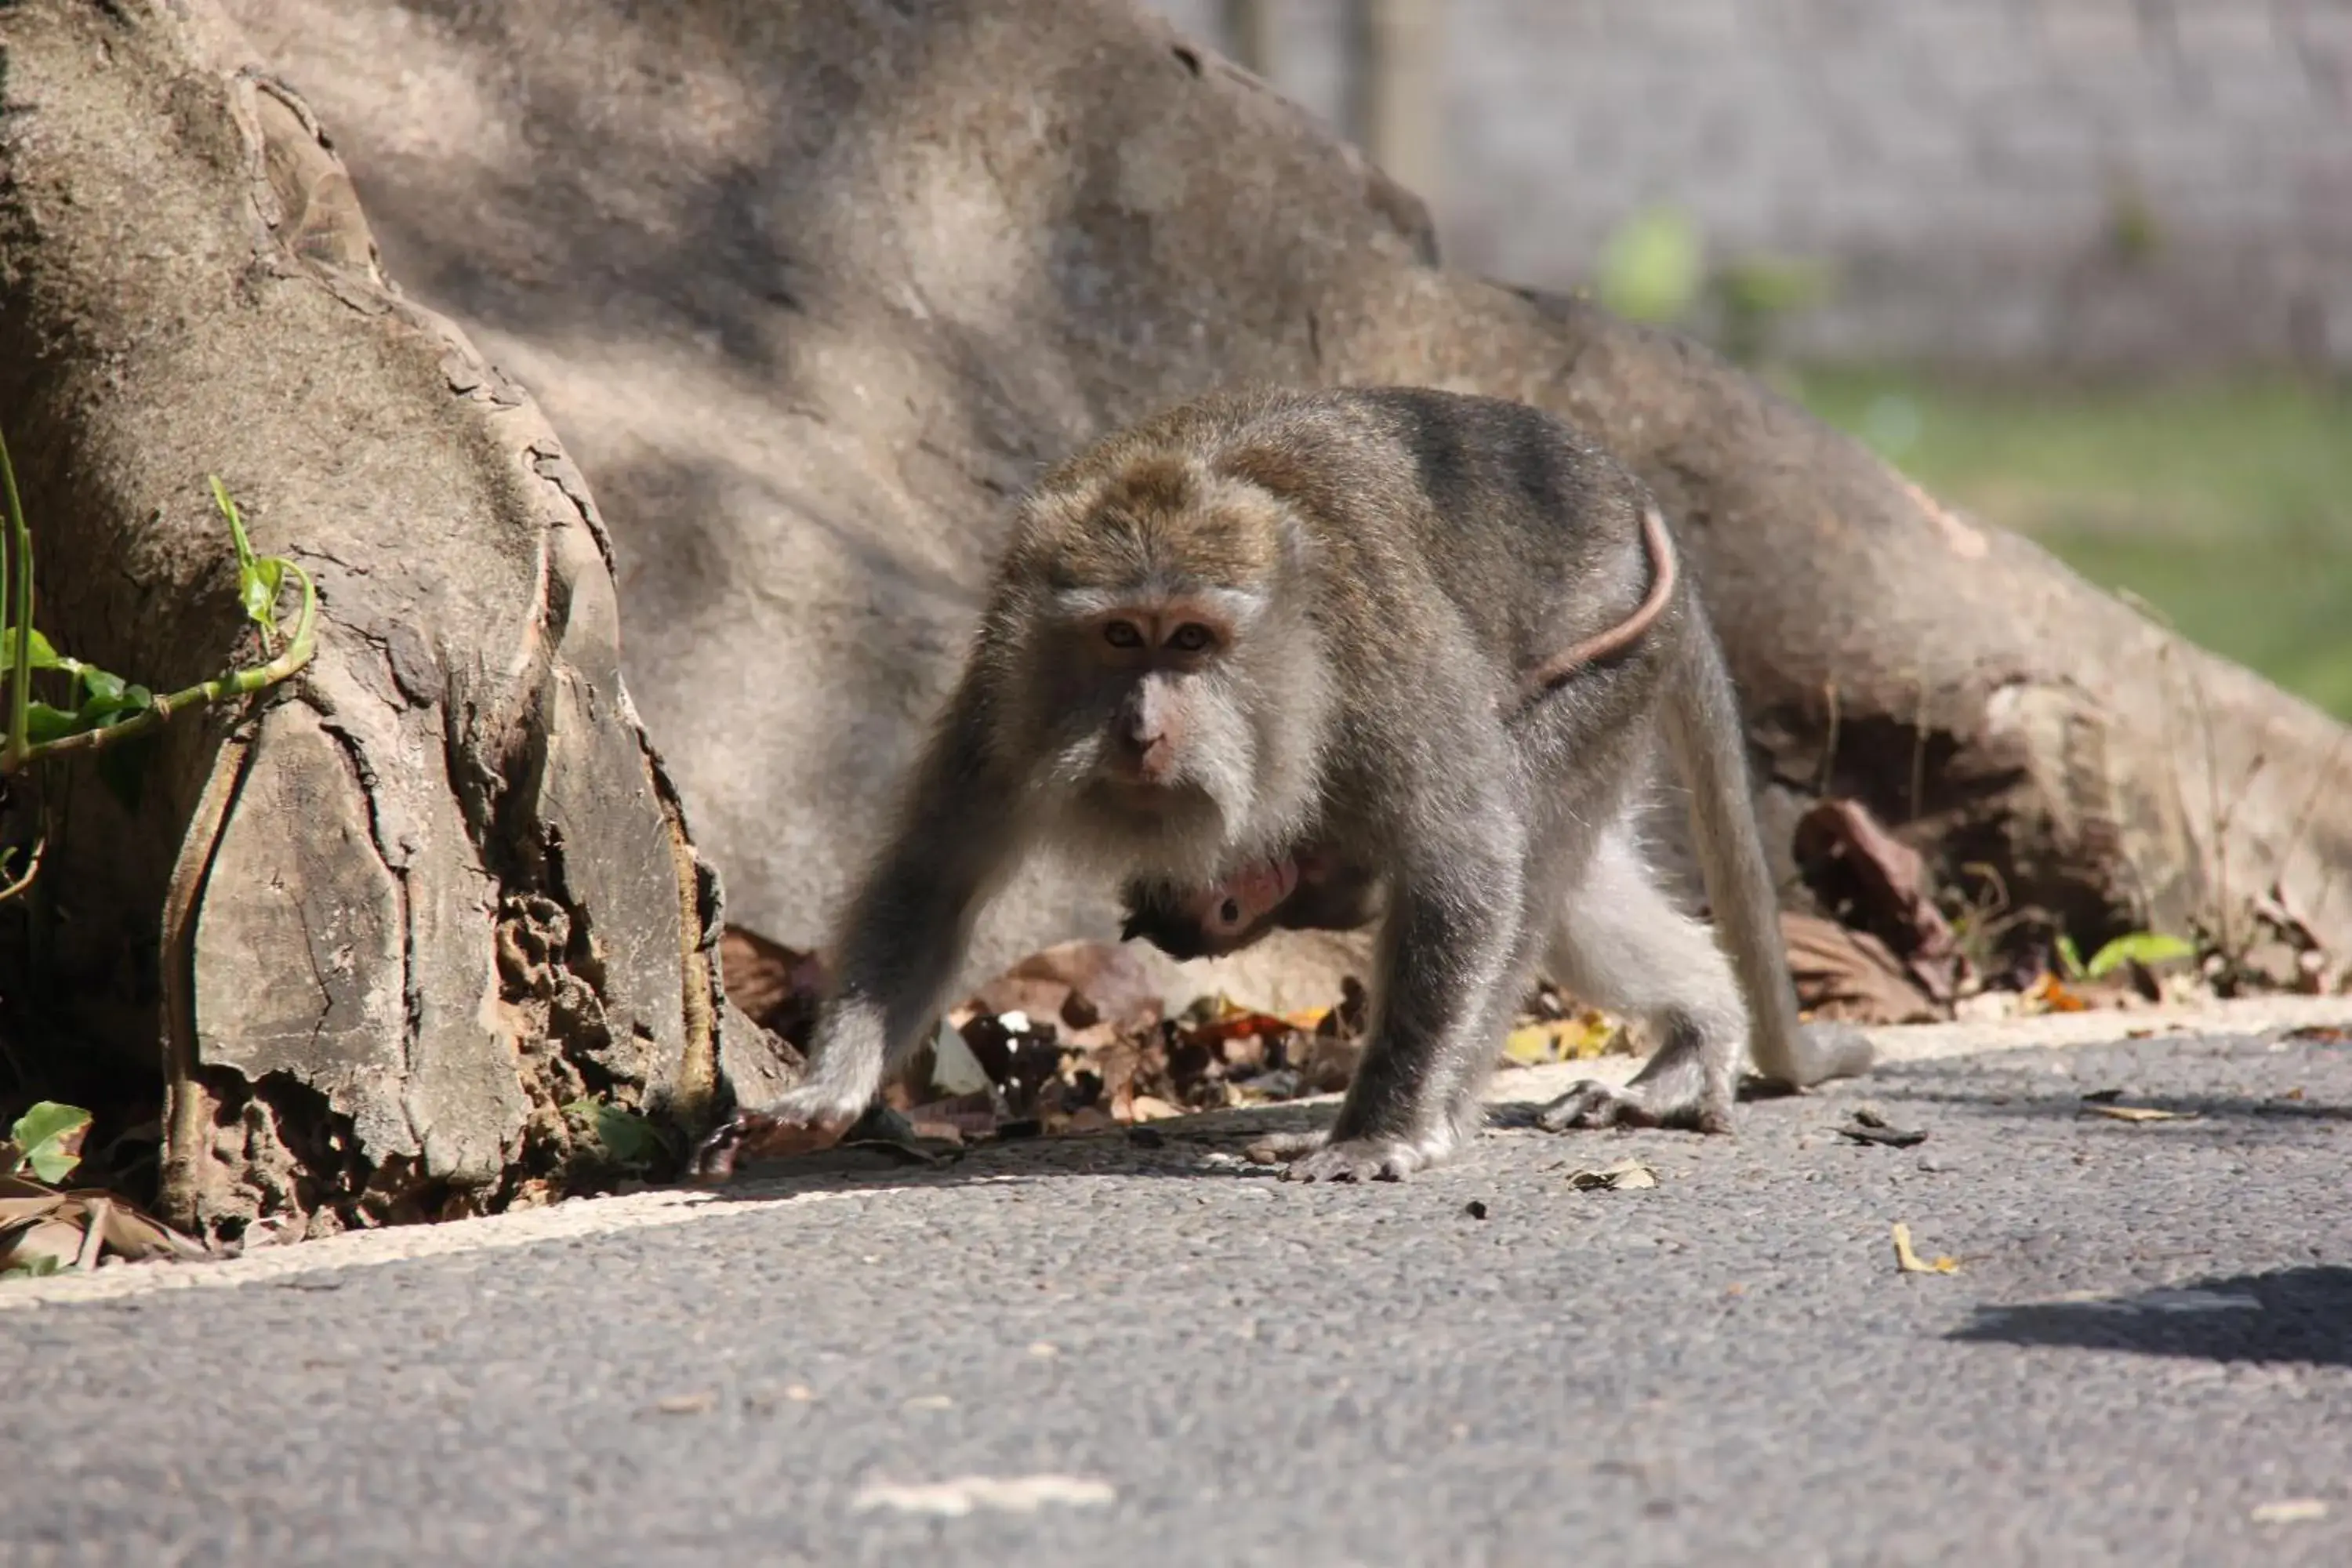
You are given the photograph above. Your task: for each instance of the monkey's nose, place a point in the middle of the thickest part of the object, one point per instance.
(1146, 755)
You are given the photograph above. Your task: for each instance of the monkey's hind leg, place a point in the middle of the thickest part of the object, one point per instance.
(1621, 945)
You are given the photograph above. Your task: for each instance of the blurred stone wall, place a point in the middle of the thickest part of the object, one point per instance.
(2133, 182)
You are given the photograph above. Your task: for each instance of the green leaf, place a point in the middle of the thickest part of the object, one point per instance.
(2070, 956)
(33, 1267)
(43, 722)
(257, 579)
(2142, 947)
(1650, 267)
(49, 1136)
(628, 1137)
(119, 701)
(256, 590)
(101, 692)
(236, 523)
(44, 656)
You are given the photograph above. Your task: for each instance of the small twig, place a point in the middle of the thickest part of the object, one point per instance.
(1919, 747)
(20, 612)
(2219, 910)
(1829, 741)
(93, 1236)
(2310, 805)
(187, 1108)
(2217, 822)
(32, 870)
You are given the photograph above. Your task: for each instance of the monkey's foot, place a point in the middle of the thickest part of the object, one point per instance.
(1592, 1104)
(802, 1121)
(1316, 1157)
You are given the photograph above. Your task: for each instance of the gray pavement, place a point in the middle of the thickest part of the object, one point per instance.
(2146, 1357)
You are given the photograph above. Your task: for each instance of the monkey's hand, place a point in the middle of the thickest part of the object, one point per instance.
(846, 1058)
(809, 1118)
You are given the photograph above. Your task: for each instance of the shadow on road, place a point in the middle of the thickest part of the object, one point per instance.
(1203, 1146)
(2295, 1315)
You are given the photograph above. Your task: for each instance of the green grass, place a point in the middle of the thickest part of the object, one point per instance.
(2228, 505)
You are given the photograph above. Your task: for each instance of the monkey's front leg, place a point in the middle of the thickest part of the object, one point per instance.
(1446, 950)
(901, 946)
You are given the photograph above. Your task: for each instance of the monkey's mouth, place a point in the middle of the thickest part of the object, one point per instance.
(1151, 789)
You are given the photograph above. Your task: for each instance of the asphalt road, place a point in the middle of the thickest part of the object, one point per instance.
(2145, 1357)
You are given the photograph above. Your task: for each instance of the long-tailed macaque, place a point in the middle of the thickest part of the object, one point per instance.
(1279, 623)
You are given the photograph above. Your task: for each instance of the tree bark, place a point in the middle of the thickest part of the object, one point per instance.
(1394, 87)
(440, 883)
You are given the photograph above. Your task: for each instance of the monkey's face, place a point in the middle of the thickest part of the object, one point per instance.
(1163, 678)
(1149, 725)
(1208, 922)
(1304, 892)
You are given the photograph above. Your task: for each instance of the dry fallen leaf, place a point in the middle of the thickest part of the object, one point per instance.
(1623, 1176)
(1910, 1262)
(2054, 996)
(778, 987)
(2135, 1112)
(2290, 1511)
(1855, 864)
(1010, 1494)
(1851, 976)
(44, 1228)
(1577, 1038)
(1866, 1131)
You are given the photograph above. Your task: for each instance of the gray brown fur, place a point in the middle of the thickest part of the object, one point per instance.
(1340, 894)
(1391, 560)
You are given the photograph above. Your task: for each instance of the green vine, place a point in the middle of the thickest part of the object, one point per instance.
(99, 708)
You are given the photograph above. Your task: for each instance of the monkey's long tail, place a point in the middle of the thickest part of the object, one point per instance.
(1704, 735)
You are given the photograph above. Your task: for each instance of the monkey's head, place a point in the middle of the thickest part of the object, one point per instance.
(1158, 657)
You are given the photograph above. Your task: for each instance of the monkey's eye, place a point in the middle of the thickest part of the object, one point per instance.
(1122, 633)
(1190, 638)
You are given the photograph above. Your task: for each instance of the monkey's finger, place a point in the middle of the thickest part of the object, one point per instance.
(1591, 1105)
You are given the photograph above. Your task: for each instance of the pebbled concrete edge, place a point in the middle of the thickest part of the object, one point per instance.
(638, 1211)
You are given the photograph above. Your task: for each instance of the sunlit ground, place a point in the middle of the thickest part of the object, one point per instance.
(2228, 506)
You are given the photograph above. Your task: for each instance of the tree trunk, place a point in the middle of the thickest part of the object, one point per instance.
(1394, 85)
(1249, 34)
(388, 918)
(815, 288)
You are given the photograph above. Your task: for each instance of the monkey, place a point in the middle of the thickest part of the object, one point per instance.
(1312, 890)
(1305, 889)
(1271, 618)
